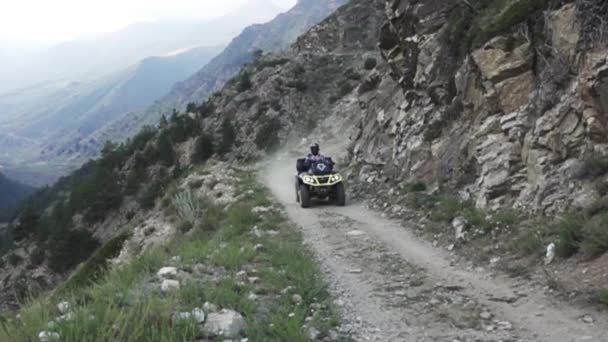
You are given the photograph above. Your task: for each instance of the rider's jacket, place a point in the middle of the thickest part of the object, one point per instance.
(312, 158)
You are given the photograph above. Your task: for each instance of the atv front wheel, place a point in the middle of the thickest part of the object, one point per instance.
(340, 195)
(297, 193)
(304, 196)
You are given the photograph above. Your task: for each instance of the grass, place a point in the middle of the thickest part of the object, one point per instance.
(125, 304)
(528, 242)
(602, 296)
(595, 238)
(570, 235)
(595, 166)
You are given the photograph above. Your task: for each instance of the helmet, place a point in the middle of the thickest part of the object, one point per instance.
(314, 149)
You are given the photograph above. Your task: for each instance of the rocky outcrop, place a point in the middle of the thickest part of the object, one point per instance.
(508, 123)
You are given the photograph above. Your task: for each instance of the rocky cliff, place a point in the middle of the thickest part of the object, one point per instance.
(502, 102)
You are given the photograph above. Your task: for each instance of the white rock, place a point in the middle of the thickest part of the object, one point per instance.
(169, 285)
(210, 308)
(313, 334)
(225, 323)
(63, 307)
(167, 273)
(65, 318)
(296, 299)
(485, 315)
(587, 319)
(199, 315)
(460, 226)
(48, 336)
(242, 276)
(252, 297)
(550, 253)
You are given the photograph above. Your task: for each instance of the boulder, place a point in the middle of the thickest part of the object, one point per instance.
(167, 273)
(460, 225)
(225, 324)
(169, 285)
(48, 336)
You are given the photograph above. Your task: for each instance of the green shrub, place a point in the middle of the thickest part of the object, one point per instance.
(528, 242)
(229, 136)
(370, 63)
(345, 89)
(68, 247)
(602, 296)
(448, 208)
(414, 187)
(244, 82)
(166, 154)
(506, 218)
(594, 167)
(595, 239)
(299, 85)
(96, 265)
(14, 259)
(206, 109)
(147, 199)
(188, 206)
(268, 136)
(37, 256)
(203, 149)
(271, 63)
(570, 231)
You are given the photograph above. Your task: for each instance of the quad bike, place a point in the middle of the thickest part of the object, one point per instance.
(318, 180)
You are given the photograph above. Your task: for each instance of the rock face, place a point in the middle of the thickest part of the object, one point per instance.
(509, 121)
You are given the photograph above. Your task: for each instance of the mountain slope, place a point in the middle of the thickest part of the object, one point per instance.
(272, 36)
(11, 192)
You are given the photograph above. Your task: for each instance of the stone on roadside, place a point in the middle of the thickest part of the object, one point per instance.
(460, 225)
(169, 285)
(167, 273)
(64, 307)
(48, 336)
(225, 323)
(296, 299)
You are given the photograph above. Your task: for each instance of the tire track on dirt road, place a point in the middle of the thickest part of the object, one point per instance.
(391, 286)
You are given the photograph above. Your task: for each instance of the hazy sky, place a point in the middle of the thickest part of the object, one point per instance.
(57, 20)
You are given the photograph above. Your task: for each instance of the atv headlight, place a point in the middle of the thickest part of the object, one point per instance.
(308, 179)
(336, 178)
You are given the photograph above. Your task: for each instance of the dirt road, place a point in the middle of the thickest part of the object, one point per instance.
(390, 286)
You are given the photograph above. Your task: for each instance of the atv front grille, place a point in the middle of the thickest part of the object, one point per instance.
(323, 180)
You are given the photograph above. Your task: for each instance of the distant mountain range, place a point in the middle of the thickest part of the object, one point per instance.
(275, 35)
(97, 56)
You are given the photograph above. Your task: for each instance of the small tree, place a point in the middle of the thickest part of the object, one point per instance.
(370, 63)
(163, 123)
(244, 81)
(203, 149)
(28, 224)
(228, 137)
(166, 154)
(191, 108)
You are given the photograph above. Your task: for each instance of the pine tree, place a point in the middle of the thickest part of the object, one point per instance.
(229, 136)
(164, 148)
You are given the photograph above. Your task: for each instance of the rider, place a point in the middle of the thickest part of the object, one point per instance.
(314, 155)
